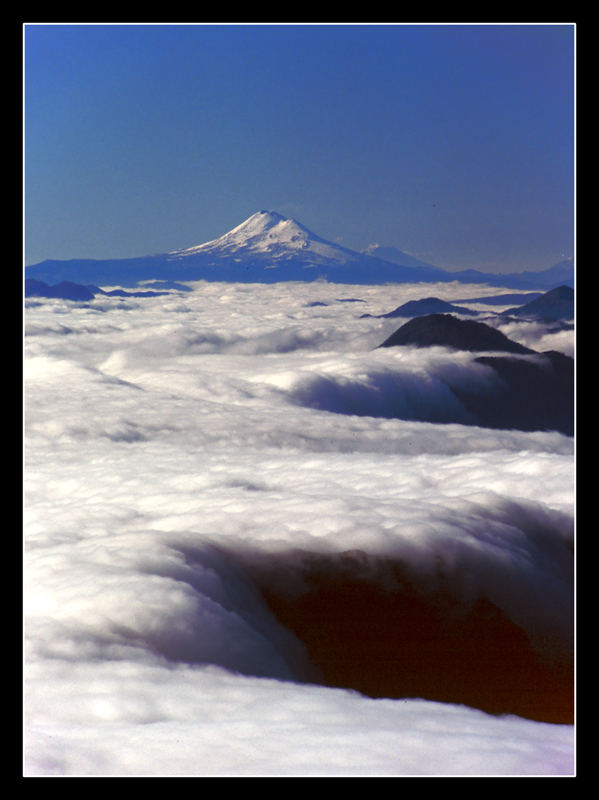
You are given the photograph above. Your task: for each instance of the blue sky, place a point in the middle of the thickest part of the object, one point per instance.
(454, 143)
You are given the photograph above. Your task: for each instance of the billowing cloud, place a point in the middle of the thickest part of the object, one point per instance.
(189, 473)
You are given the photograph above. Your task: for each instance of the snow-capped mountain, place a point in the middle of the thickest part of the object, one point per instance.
(269, 248)
(269, 235)
(395, 256)
(265, 248)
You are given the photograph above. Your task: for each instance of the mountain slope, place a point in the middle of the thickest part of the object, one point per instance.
(395, 256)
(529, 394)
(448, 331)
(265, 248)
(423, 307)
(556, 304)
(269, 235)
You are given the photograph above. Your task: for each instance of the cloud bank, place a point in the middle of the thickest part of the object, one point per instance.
(192, 505)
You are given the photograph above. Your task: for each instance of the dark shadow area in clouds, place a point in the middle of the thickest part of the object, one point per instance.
(466, 625)
(221, 619)
(403, 642)
(519, 389)
(478, 612)
(535, 393)
(401, 395)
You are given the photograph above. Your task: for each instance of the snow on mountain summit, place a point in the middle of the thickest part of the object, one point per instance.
(268, 233)
(270, 248)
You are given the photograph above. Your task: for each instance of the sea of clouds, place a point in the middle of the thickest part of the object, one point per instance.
(190, 455)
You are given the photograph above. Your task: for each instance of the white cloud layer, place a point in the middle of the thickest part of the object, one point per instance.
(176, 467)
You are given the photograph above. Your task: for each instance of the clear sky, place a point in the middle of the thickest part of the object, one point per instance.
(454, 143)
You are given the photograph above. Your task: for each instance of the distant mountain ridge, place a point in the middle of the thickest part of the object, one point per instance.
(556, 304)
(557, 275)
(396, 256)
(269, 248)
(67, 290)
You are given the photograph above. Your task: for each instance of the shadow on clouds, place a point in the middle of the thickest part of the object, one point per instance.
(535, 393)
(478, 612)
(369, 626)
(487, 624)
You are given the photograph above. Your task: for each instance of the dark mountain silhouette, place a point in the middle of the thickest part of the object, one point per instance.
(528, 394)
(269, 248)
(67, 290)
(162, 285)
(372, 625)
(448, 331)
(517, 298)
(123, 293)
(420, 308)
(556, 304)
